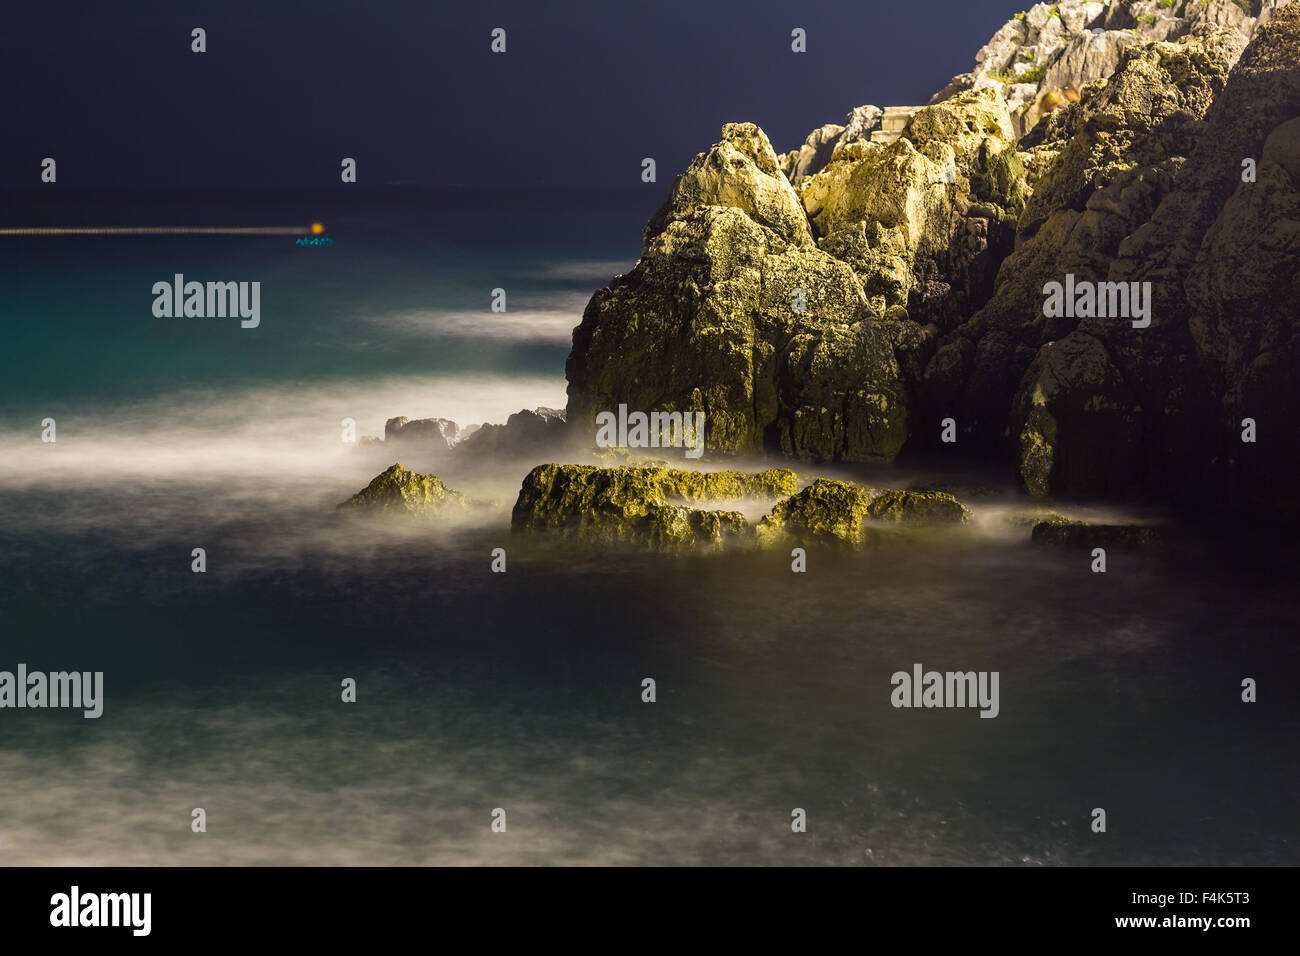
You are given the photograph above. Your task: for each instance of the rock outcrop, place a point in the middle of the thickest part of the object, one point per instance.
(838, 303)
(398, 490)
(734, 311)
(800, 322)
(1042, 57)
(860, 125)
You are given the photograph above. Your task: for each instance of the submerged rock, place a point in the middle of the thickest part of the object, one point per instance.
(625, 505)
(695, 486)
(399, 490)
(1083, 535)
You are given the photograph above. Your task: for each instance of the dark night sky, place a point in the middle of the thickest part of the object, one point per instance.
(411, 90)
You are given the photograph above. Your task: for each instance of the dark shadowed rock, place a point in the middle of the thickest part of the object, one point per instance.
(439, 433)
(1221, 255)
(1084, 536)
(532, 434)
(1110, 160)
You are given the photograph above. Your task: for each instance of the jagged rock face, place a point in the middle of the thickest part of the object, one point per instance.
(861, 122)
(1044, 56)
(822, 143)
(739, 172)
(1076, 410)
(1110, 160)
(925, 220)
(880, 245)
(615, 506)
(709, 321)
(402, 491)
(1220, 255)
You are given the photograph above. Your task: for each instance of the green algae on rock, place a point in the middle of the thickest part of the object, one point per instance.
(733, 311)
(695, 486)
(400, 490)
(827, 511)
(918, 507)
(627, 505)
(840, 512)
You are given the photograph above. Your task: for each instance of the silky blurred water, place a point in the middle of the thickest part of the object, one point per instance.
(522, 690)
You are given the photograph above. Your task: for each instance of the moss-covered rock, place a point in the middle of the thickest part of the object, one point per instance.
(399, 490)
(734, 312)
(840, 512)
(918, 507)
(637, 506)
(826, 511)
(703, 486)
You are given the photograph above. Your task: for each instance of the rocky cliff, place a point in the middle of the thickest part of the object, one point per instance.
(837, 302)
(1221, 251)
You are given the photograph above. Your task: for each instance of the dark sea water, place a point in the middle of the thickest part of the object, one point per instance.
(522, 690)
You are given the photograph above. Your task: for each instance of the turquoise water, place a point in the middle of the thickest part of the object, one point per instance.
(404, 290)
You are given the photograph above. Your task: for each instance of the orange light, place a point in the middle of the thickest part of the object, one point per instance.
(317, 228)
